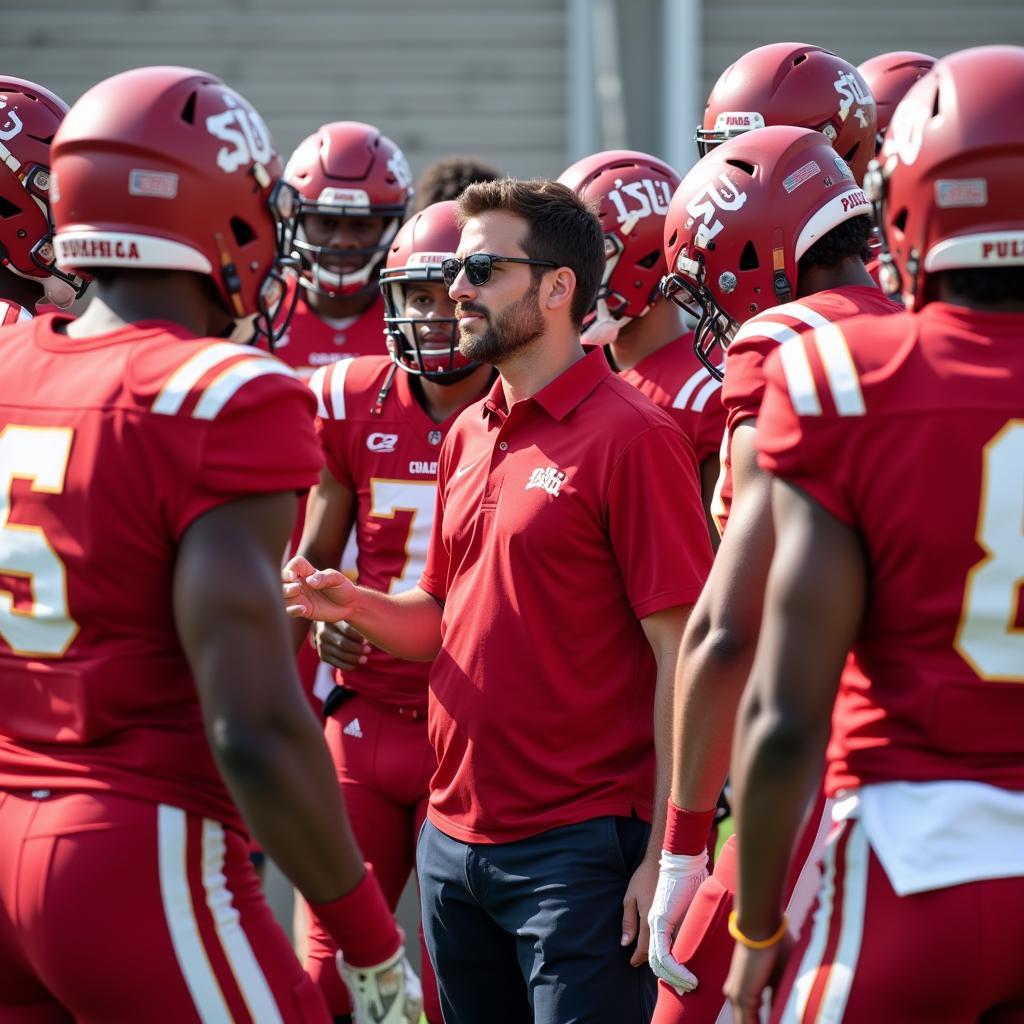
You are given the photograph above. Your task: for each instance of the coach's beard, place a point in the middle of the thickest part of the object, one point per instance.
(514, 328)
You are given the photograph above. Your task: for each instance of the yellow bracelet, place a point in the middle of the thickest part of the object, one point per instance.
(772, 940)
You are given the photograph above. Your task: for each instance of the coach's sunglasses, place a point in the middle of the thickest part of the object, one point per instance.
(478, 266)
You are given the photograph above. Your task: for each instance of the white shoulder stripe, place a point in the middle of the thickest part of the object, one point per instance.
(770, 327)
(223, 389)
(704, 394)
(338, 388)
(840, 369)
(252, 982)
(186, 376)
(799, 378)
(316, 385)
(693, 382)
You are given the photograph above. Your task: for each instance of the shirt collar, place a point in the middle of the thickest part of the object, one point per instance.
(565, 392)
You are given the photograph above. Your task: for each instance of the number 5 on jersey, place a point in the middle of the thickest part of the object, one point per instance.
(45, 629)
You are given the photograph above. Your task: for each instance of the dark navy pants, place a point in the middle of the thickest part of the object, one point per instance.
(529, 931)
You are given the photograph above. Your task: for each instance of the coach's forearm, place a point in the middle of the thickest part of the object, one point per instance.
(407, 625)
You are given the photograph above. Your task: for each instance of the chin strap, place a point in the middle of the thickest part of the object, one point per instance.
(378, 406)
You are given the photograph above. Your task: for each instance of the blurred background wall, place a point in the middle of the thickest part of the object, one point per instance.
(528, 84)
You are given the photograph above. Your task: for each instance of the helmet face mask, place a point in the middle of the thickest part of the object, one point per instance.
(347, 170)
(714, 327)
(631, 192)
(425, 346)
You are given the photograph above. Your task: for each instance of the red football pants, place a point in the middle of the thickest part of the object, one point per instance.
(384, 763)
(704, 944)
(116, 910)
(867, 955)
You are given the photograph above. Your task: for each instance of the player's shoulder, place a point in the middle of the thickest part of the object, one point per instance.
(173, 373)
(348, 388)
(779, 324)
(850, 368)
(11, 314)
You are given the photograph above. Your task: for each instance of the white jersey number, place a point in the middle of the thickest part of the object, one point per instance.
(988, 637)
(38, 454)
(416, 496)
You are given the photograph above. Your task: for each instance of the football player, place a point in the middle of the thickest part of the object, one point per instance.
(151, 709)
(641, 332)
(354, 186)
(898, 497)
(794, 84)
(764, 241)
(381, 422)
(29, 117)
(889, 76)
(449, 177)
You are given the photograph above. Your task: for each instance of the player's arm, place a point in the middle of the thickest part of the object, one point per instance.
(263, 735)
(407, 625)
(709, 470)
(664, 631)
(813, 608)
(330, 511)
(714, 661)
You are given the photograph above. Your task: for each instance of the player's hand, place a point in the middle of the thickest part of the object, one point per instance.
(635, 906)
(751, 972)
(339, 644)
(309, 593)
(389, 993)
(679, 878)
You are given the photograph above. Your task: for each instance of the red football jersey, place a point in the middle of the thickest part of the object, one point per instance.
(674, 379)
(311, 341)
(910, 429)
(388, 459)
(111, 446)
(743, 389)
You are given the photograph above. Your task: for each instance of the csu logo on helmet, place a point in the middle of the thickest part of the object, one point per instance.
(705, 204)
(853, 89)
(12, 125)
(649, 196)
(244, 131)
(399, 167)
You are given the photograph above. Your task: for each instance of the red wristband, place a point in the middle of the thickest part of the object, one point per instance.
(687, 832)
(361, 924)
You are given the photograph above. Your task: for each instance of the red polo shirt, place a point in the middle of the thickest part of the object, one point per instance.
(561, 523)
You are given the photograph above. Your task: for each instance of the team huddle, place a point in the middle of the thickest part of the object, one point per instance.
(606, 502)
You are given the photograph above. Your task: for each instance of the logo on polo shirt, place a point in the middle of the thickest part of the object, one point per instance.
(353, 729)
(378, 442)
(548, 478)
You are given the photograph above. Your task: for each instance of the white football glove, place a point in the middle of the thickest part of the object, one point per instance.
(679, 878)
(388, 993)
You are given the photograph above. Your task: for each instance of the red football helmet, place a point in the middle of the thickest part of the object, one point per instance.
(632, 192)
(424, 346)
(168, 168)
(741, 220)
(348, 169)
(794, 84)
(29, 117)
(889, 76)
(946, 185)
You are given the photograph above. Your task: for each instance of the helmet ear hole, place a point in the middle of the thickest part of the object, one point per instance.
(649, 260)
(748, 168)
(8, 209)
(242, 231)
(900, 220)
(188, 112)
(748, 258)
